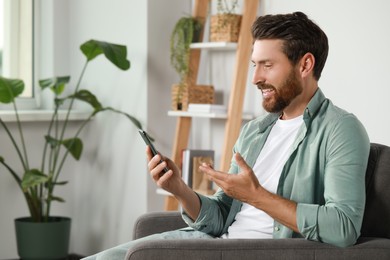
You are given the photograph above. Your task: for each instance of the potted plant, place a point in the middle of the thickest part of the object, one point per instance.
(225, 25)
(38, 182)
(186, 31)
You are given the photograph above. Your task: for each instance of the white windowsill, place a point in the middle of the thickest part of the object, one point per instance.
(42, 115)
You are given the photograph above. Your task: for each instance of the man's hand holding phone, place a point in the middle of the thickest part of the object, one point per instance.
(164, 172)
(149, 143)
(167, 175)
(171, 180)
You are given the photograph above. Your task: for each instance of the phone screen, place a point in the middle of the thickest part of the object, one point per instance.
(148, 142)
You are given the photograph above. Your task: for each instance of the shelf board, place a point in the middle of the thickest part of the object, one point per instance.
(214, 45)
(205, 115)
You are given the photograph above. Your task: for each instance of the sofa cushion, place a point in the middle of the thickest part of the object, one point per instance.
(243, 249)
(377, 211)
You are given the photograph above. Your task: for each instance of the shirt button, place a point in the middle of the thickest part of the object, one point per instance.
(276, 229)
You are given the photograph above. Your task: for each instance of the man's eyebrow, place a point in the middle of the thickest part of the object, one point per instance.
(261, 61)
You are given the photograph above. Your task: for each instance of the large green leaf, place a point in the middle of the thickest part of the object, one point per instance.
(33, 178)
(56, 84)
(87, 96)
(10, 89)
(74, 146)
(113, 52)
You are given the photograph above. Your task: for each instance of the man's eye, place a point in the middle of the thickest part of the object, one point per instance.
(267, 66)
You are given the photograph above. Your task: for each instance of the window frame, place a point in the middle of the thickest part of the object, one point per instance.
(19, 31)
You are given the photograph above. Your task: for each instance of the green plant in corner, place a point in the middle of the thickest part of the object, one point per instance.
(187, 30)
(37, 184)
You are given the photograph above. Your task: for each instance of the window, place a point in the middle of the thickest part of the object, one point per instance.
(16, 42)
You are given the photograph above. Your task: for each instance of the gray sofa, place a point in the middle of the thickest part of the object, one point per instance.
(373, 244)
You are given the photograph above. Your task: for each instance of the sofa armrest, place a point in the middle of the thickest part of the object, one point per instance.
(157, 222)
(232, 249)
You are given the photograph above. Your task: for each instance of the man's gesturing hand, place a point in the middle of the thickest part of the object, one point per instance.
(243, 186)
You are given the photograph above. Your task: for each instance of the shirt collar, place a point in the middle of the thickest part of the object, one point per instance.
(311, 109)
(314, 105)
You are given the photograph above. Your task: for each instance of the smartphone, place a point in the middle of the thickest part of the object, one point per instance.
(148, 142)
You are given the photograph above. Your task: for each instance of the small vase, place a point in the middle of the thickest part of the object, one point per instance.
(43, 240)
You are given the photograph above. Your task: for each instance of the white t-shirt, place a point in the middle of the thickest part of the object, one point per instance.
(251, 222)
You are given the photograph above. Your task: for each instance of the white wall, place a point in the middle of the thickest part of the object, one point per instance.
(109, 188)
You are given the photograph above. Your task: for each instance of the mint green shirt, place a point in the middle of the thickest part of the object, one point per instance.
(325, 175)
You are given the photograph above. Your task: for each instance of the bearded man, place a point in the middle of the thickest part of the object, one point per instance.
(298, 171)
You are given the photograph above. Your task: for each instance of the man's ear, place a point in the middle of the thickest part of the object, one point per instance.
(307, 64)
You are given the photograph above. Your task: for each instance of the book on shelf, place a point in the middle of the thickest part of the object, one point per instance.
(206, 108)
(191, 174)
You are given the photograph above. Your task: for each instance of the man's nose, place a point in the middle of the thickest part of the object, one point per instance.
(258, 77)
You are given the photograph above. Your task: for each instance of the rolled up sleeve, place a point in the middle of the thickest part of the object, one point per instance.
(213, 213)
(339, 220)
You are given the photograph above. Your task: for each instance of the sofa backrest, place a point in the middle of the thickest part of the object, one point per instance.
(376, 221)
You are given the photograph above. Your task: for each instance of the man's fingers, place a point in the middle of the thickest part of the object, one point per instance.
(155, 163)
(164, 177)
(207, 169)
(149, 154)
(241, 162)
(219, 178)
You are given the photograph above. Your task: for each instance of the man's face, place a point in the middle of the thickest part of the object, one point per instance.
(274, 75)
(277, 98)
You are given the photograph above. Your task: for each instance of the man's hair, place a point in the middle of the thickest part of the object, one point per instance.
(299, 34)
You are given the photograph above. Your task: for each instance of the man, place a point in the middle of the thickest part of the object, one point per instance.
(298, 171)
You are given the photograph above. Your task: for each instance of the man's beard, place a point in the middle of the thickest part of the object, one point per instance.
(282, 95)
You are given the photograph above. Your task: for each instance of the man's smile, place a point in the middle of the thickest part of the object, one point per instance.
(267, 92)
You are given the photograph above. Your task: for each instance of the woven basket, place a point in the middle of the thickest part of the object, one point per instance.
(198, 94)
(225, 27)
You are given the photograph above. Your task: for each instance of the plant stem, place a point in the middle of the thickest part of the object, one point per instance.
(26, 166)
(55, 177)
(72, 100)
(13, 173)
(58, 148)
(34, 205)
(33, 208)
(14, 144)
(47, 143)
(67, 116)
(76, 135)
(53, 119)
